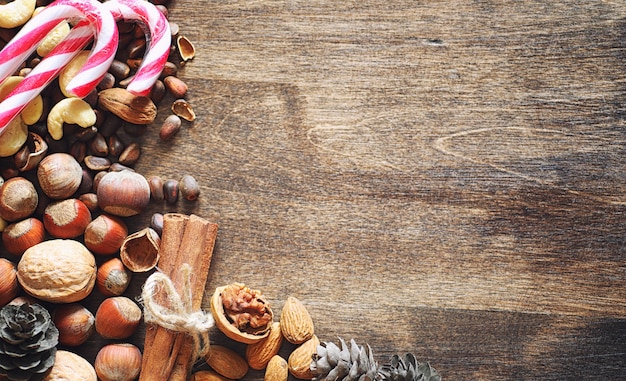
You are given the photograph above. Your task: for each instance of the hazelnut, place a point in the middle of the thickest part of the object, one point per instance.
(70, 366)
(67, 218)
(74, 322)
(112, 278)
(9, 286)
(140, 251)
(117, 317)
(59, 175)
(105, 234)
(124, 193)
(90, 200)
(57, 271)
(19, 236)
(118, 362)
(18, 199)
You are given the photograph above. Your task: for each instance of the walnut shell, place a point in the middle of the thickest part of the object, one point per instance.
(69, 366)
(57, 271)
(224, 324)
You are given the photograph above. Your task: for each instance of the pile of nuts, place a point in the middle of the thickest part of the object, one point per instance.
(67, 184)
(245, 316)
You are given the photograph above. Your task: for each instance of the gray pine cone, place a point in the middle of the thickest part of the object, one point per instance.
(346, 363)
(28, 340)
(407, 369)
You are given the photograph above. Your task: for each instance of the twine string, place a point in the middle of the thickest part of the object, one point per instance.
(176, 313)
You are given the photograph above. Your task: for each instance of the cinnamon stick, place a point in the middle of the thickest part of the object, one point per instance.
(190, 239)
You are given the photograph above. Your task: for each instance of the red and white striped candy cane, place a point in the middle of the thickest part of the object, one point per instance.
(42, 74)
(94, 20)
(31, 34)
(158, 37)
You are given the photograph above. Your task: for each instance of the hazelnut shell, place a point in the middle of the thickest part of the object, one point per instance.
(140, 251)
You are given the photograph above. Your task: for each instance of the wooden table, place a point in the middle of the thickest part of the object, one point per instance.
(438, 177)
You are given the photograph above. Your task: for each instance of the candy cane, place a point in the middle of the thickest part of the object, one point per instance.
(95, 20)
(27, 39)
(42, 74)
(157, 33)
(158, 37)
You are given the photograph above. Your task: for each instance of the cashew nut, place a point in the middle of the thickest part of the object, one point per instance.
(13, 137)
(16, 13)
(72, 111)
(51, 40)
(33, 111)
(71, 69)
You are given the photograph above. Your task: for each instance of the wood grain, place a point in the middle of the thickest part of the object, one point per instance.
(439, 177)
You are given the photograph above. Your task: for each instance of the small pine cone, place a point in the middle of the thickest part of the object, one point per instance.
(351, 363)
(28, 340)
(407, 369)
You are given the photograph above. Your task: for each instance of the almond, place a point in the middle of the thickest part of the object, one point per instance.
(132, 108)
(300, 359)
(226, 362)
(260, 353)
(295, 321)
(277, 369)
(207, 375)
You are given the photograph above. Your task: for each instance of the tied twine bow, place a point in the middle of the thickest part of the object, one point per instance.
(177, 315)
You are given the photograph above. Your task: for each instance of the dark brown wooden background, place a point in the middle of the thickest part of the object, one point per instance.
(439, 177)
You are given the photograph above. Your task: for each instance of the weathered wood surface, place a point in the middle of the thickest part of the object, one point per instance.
(438, 177)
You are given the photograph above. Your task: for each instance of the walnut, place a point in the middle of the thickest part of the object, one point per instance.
(70, 366)
(245, 308)
(57, 271)
(241, 313)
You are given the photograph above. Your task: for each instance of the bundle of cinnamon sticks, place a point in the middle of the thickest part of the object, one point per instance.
(169, 355)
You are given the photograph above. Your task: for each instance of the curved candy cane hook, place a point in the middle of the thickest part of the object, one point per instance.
(94, 20)
(158, 37)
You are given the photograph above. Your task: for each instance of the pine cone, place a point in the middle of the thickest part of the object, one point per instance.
(28, 340)
(407, 369)
(348, 364)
